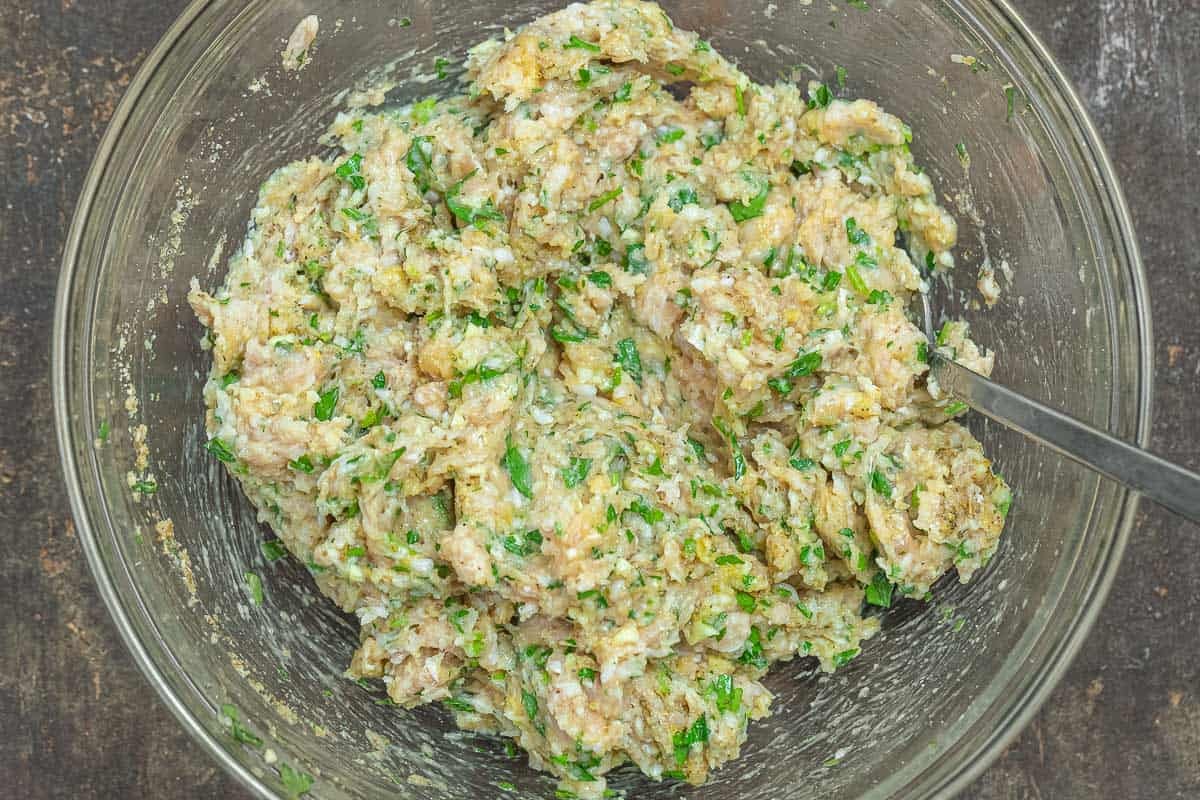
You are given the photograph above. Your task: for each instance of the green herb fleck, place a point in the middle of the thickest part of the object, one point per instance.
(754, 207)
(323, 408)
(576, 472)
(820, 97)
(635, 259)
(669, 135)
(254, 586)
(296, 783)
(302, 464)
(629, 359)
(518, 468)
(879, 591)
(469, 215)
(855, 234)
(683, 740)
(272, 549)
(221, 450)
(746, 602)
(856, 280)
(351, 172)
(604, 199)
(881, 484)
(739, 459)
(370, 225)
(419, 161)
(237, 730)
(575, 43)
(845, 657)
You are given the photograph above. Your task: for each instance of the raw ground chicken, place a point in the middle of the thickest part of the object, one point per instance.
(592, 402)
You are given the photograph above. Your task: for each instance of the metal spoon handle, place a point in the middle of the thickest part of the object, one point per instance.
(1163, 482)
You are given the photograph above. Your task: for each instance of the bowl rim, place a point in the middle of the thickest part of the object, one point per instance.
(1021, 710)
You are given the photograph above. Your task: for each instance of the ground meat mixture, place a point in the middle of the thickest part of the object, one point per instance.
(591, 392)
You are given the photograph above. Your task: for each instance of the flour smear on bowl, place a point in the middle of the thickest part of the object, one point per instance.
(592, 394)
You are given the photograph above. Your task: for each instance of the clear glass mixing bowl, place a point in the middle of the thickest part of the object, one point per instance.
(927, 705)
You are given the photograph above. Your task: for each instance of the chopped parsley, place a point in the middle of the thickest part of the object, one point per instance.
(351, 172)
(576, 472)
(368, 223)
(647, 512)
(739, 459)
(806, 364)
(604, 199)
(635, 259)
(955, 408)
(221, 450)
(746, 602)
(628, 358)
(476, 217)
(480, 373)
(518, 468)
(669, 135)
(239, 732)
(879, 591)
(296, 783)
(855, 234)
(727, 696)
(881, 484)
(302, 464)
(820, 96)
(323, 408)
(752, 653)
(742, 211)
(272, 549)
(845, 657)
(593, 594)
(575, 43)
(682, 741)
(419, 161)
(254, 587)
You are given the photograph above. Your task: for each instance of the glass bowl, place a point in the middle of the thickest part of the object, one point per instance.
(928, 704)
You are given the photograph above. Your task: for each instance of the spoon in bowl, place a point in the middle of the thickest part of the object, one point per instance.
(1165, 483)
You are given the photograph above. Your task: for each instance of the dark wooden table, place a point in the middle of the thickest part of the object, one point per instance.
(78, 720)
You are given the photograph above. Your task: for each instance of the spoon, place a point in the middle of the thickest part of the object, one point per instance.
(1165, 483)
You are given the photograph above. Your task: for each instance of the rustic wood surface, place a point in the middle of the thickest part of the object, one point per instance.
(78, 720)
